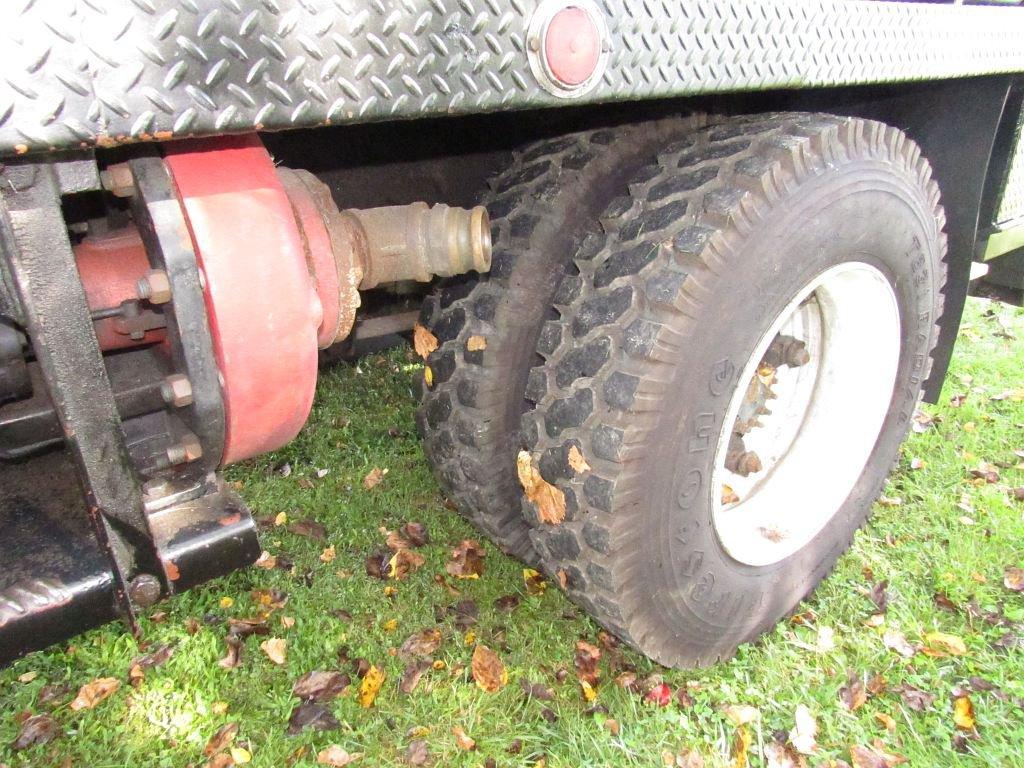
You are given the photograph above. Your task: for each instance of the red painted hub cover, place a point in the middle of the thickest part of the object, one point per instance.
(572, 46)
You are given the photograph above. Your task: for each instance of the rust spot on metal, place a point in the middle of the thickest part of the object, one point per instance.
(171, 570)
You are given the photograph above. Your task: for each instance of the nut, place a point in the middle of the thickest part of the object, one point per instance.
(144, 590)
(189, 449)
(797, 354)
(177, 390)
(154, 287)
(117, 179)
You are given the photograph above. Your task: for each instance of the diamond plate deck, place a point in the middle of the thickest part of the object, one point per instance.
(102, 72)
(1011, 203)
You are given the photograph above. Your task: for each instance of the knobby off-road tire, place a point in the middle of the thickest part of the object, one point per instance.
(541, 205)
(705, 251)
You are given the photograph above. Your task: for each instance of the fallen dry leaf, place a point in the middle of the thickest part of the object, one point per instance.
(886, 720)
(940, 644)
(421, 644)
(276, 649)
(741, 714)
(328, 555)
(336, 757)
(411, 675)
(417, 753)
(585, 661)
(320, 686)
(221, 740)
(853, 695)
(266, 561)
(729, 496)
(476, 343)
(309, 528)
(534, 582)
(963, 713)
(414, 533)
(423, 341)
(896, 641)
(462, 739)
(576, 460)
(804, 734)
(28, 677)
(37, 729)
(373, 478)
(313, 716)
(467, 560)
(370, 686)
(549, 500)
(914, 698)
(404, 562)
(1013, 579)
(91, 694)
(741, 747)
(660, 695)
(488, 670)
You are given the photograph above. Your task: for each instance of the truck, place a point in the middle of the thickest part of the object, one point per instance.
(680, 272)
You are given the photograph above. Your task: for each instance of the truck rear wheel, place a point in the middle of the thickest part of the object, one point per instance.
(731, 375)
(550, 196)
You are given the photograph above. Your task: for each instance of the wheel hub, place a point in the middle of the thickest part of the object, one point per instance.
(806, 413)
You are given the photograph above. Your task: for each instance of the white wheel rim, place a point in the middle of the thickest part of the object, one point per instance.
(824, 419)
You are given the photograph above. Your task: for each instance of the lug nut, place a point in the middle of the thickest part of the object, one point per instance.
(797, 354)
(144, 590)
(117, 179)
(743, 463)
(189, 449)
(154, 287)
(177, 390)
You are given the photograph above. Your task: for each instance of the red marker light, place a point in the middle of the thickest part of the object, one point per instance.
(572, 46)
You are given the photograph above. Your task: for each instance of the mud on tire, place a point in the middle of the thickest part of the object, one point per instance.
(697, 259)
(541, 205)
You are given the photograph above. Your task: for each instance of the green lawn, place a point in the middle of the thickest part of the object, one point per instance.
(950, 534)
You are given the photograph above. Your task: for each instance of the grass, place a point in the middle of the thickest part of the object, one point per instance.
(950, 534)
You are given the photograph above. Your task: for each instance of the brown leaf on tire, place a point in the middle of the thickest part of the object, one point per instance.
(549, 500)
(37, 729)
(91, 694)
(488, 670)
(476, 343)
(467, 560)
(423, 341)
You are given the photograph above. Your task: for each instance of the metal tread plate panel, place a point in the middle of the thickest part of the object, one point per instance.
(1011, 203)
(102, 72)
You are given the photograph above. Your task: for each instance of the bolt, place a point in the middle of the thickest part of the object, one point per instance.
(189, 449)
(797, 354)
(154, 287)
(177, 390)
(144, 590)
(743, 463)
(117, 179)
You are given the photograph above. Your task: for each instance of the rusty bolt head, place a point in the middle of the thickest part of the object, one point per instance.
(797, 355)
(154, 287)
(177, 390)
(144, 590)
(117, 179)
(748, 463)
(189, 449)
